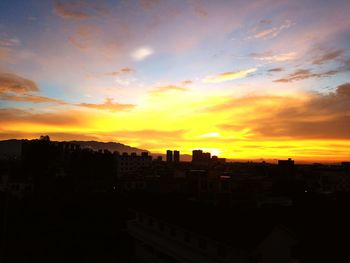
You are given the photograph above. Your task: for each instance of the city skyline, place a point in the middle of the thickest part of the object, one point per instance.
(265, 79)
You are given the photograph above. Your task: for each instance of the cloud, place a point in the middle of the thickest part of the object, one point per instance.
(166, 89)
(301, 74)
(141, 53)
(5, 54)
(276, 70)
(187, 82)
(79, 10)
(199, 8)
(327, 55)
(149, 4)
(121, 72)
(11, 83)
(65, 118)
(108, 105)
(229, 76)
(310, 116)
(16, 88)
(268, 56)
(263, 31)
(31, 98)
(9, 42)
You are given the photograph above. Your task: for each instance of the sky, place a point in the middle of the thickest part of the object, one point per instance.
(240, 79)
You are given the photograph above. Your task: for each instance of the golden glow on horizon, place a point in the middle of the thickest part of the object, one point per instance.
(182, 122)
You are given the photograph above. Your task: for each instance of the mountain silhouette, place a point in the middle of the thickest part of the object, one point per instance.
(13, 147)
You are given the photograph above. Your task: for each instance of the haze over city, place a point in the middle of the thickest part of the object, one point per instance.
(238, 79)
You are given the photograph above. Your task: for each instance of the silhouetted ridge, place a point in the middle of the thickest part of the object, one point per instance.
(13, 148)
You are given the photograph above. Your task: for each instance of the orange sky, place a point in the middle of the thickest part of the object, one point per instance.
(242, 80)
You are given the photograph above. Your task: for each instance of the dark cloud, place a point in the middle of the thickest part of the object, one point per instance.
(121, 72)
(16, 88)
(78, 10)
(108, 105)
(320, 116)
(149, 4)
(11, 83)
(276, 70)
(301, 74)
(327, 55)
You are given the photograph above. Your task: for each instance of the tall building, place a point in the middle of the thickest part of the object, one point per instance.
(169, 156)
(176, 156)
(197, 156)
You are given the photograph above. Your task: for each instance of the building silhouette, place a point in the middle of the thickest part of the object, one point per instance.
(169, 156)
(176, 156)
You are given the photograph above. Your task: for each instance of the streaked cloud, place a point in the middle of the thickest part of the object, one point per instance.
(275, 69)
(78, 10)
(31, 98)
(9, 42)
(109, 105)
(269, 56)
(16, 88)
(327, 55)
(149, 4)
(264, 31)
(52, 118)
(12, 83)
(187, 82)
(167, 89)
(301, 74)
(121, 72)
(227, 76)
(141, 53)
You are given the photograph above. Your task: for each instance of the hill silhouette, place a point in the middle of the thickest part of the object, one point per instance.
(12, 147)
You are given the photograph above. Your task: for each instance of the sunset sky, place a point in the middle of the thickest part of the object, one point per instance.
(242, 79)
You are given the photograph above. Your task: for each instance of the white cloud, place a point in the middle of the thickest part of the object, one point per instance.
(226, 76)
(279, 57)
(142, 53)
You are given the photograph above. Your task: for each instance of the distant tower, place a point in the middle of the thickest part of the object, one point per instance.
(176, 156)
(169, 156)
(197, 155)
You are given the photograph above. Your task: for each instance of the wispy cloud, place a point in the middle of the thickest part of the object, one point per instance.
(187, 82)
(122, 71)
(62, 118)
(31, 98)
(229, 76)
(16, 88)
(167, 89)
(141, 53)
(327, 55)
(264, 31)
(269, 56)
(276, 70)
(12, 83)
(9, 42)
(78, 10)
(108, 105)
(301, 74)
